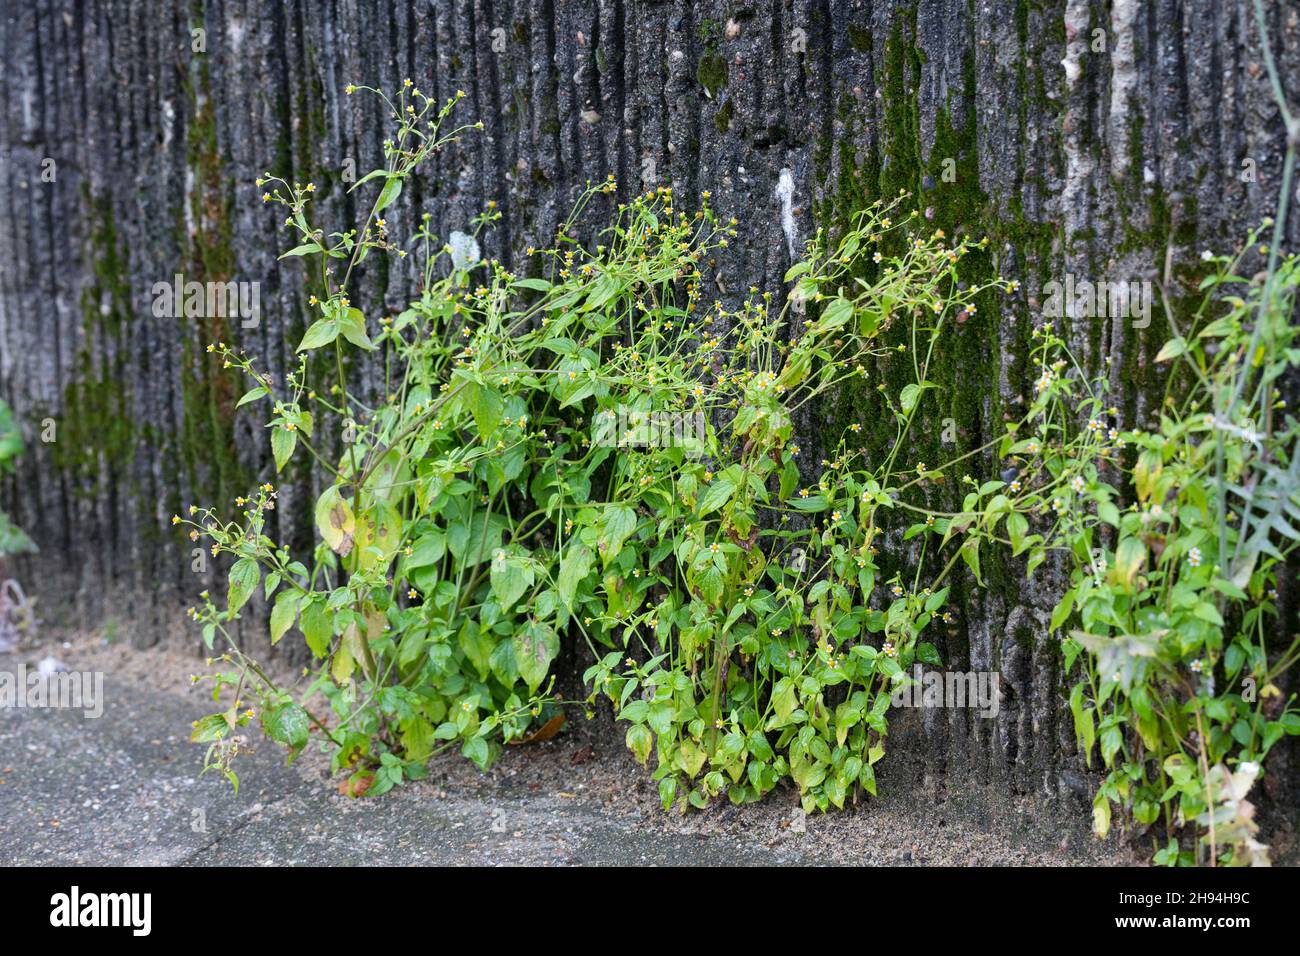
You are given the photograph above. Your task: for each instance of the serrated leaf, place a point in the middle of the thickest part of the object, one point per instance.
(619, 522)
(317, 626)
(244, 576)
(283, 442)
(321, 333)
(574, 566)
(717, 494)
(510, 579)
(287, 724)
(283, 614)
(535, 647)
(486, 405)
(353, 326)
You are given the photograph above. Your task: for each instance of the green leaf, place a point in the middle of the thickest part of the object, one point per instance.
(619, 523)
(477, 647)
(798, 269)
(252, 395)
(710, 584)
(535, 647)
(353, 326)
(510, 579)
(322, 332)
(836, 314)
(1172, 349)
(243, 582)
(718, 493)
(392, 189)
(574, 566)
(503, 664)
(211, 728)
(283, 442)
(283, 615)
(369, 176)
(317, 626)
(486, 406)
(306, 249)
(287, 724)
(811, 503)
(927, 653)
(604, 289)
(1063, 609)
(1017, 528)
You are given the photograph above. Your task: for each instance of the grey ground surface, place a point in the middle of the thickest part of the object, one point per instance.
(124, 789)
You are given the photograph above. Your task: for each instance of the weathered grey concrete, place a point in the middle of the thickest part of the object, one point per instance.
(123, 790)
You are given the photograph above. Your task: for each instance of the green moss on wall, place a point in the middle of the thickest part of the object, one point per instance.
(711, 73)
(208, 391)
(96, 435)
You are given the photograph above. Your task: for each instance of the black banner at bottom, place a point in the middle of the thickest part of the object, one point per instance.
(305, 905)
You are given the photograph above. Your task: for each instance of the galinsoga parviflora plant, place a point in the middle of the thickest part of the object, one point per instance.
(510, 492)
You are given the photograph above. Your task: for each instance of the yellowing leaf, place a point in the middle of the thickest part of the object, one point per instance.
(1130, 556)
(335, 522)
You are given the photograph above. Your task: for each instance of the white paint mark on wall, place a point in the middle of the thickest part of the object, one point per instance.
(1123, 82)
(785, 193)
